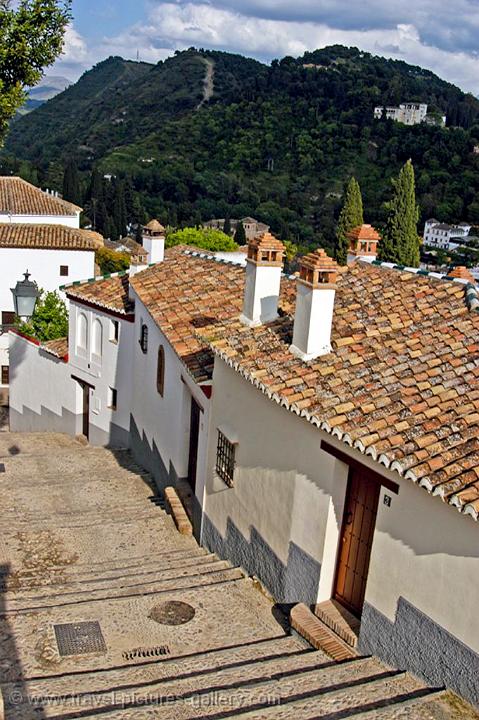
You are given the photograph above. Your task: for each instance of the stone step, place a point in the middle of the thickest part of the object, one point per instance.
(75, 575)
(297, 687)
(339, 620)
(36, 443)
(318, 634)
(191, 581)
(203, 660)
(89, 588)
(69, 479)
(65, 461)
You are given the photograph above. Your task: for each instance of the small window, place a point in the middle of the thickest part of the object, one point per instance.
(8, 318)
(5, 375)
(144, 338)
(225, 459)
(112, 398)
(114, 331)
(64, 270)
(160, 371)
(82, 333)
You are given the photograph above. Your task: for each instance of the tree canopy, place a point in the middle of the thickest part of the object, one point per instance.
(351, 216)
(111, 261)
(206, 238)
(50, 319)
(31, 38)
(400, 241)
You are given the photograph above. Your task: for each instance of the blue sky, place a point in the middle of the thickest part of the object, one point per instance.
(438, 34)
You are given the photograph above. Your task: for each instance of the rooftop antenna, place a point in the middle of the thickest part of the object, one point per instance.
(137, 56)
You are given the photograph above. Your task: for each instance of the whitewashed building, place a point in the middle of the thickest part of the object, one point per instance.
(444, 236)
(39, 233)
(408, 114)
(326, 425)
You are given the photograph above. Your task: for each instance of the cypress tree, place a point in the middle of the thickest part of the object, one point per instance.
(119, 208)
(227, 226)
(400, 242)
(351, 216)
(240, 235)
(71, 183)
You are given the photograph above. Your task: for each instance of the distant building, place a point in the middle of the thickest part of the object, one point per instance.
(409, 114)
(443, 236)
(127, 245)
(252, 227)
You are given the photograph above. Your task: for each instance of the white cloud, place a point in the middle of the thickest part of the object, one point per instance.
(216, 24)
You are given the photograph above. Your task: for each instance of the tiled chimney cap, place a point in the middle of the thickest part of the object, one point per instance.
(154, 227)
(364, 232)
(266, 250)
(461, 272)
(317, 268)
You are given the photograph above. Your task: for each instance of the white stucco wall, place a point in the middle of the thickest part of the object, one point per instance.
(289, 490)
(165, 421)
(112, 368)
(67, 220)
(40, 382)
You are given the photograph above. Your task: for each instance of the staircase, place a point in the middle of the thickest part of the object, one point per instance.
(84, 539)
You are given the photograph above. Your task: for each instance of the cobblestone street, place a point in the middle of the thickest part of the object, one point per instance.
(82, 542)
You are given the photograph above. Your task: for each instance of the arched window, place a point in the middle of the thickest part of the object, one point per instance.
(160, 371)
(144, 338)
(97, 339)
(82, 334)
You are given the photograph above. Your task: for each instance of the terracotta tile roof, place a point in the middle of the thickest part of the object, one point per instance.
(19, 197)
(107, 293)
(186, 293)
(461, 272)
(48, 237)
(58, 348)
(401, 384)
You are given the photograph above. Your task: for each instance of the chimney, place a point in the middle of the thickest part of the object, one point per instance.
(363, 243)
(154, 241)
(136, 266)
(263, 277)
(315, 291)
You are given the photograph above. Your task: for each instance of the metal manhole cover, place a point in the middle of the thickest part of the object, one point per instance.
(79, 638)
(172, 612)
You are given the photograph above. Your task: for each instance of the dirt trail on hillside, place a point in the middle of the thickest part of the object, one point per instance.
(209, 82)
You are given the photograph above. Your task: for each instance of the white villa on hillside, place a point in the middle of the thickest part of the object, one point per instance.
(326, 425)
(39, 232)
(408, 114)
(443, 236)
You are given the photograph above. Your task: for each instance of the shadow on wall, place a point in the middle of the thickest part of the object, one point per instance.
(297, 581)
(12, 679)
(148, 456)
(416, 642)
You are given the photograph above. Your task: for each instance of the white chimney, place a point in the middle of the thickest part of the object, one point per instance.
(363, 243)
(263, 278)
(315, 292)
(154, 241)
(136, 266)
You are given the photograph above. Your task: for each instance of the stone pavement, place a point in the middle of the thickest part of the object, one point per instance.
(84, 540)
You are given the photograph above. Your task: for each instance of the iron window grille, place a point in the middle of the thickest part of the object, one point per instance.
(144, 339)
(225, 459)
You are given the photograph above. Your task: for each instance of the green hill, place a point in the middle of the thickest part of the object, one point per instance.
(277, 142)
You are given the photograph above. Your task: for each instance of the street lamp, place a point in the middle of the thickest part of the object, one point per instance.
(25, 296)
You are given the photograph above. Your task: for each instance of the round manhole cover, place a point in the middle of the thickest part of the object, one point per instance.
(172, 612)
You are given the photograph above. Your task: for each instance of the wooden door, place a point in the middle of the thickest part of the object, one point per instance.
(356, 539)
(194, 437)
(86, 411)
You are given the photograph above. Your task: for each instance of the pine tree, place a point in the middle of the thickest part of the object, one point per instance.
(351, 216)
(240, 235)
(71, 183)
(227, 226)
(400, 242)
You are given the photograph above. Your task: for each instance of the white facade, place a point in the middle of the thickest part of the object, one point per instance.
(72, 221)
(407, 113)
(46, 268)
(443, 236)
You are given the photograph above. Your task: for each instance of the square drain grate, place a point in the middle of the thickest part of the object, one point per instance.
(79, 638)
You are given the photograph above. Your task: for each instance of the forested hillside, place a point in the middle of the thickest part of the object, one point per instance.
(277, 142)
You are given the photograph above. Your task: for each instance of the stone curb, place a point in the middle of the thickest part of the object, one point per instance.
(178, 512)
